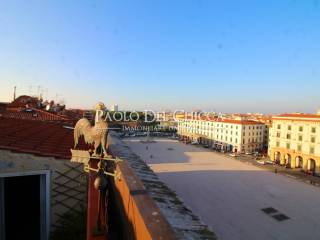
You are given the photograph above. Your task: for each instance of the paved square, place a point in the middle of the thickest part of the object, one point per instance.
(229, 195)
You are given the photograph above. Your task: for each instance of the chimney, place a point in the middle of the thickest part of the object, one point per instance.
(14, 93)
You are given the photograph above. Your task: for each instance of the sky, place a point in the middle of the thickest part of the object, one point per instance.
(224, 56)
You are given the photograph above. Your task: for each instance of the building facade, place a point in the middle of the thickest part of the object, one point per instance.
(114, 108)
(294, 141)
(234, 135)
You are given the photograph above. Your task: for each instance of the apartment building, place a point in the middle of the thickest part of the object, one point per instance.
(234, 135)
(294, 141)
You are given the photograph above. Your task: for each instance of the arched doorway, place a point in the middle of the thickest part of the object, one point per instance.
(277, 157)
(287, 160)
(311, 165)
(299, 162)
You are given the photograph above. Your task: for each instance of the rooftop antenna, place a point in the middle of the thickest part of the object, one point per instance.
(31, 91)
(14, 93)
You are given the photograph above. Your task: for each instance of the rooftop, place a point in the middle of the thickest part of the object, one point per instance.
(22, 101)
(301, 116)
(37, 137)
(34, 114)
(185, 224)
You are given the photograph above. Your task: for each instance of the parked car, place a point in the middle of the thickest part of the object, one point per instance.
(262, 162)
(268, 162)
(233, 155)
(248, 153)
(194, 143)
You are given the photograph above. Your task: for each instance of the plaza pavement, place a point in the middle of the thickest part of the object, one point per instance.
(228, 195)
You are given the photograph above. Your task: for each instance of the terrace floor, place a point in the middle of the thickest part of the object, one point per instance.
(235, 199)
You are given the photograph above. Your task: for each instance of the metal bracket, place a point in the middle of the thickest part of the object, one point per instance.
(116, 174)
(81, 156)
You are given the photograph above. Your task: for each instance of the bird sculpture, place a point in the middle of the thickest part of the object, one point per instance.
(96, 134)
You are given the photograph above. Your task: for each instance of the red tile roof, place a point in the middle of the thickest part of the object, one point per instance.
(22, 101)
(3, 105)
(75, 114)
(242, 122)
(37, 137)
(34, 114)
(298, 115)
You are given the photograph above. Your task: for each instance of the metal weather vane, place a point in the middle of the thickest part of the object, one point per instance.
(97, 135)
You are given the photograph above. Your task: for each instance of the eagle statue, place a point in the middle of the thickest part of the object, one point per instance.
(96, 134)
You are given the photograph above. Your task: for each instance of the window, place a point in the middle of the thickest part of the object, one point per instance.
(311, 150)
(243, 141)
(278, 134)
(313, 139)
(299, 148)
(288, 145)
(278, 144)
(313, 130)
(288, 136)
(236, 140)
(289, 127)
(279, 126)
(300, 138)
(300, 129)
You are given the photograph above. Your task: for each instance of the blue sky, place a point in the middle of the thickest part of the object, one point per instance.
(229, 56)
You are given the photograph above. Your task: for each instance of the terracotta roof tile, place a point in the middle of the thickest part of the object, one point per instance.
(35, 114)
(37, 137)
(22, 101)
(298, 115)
